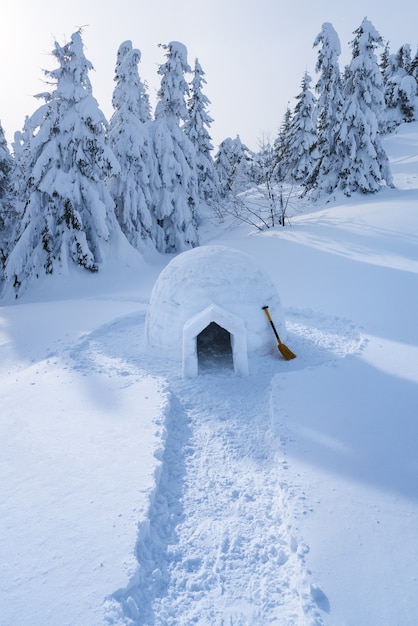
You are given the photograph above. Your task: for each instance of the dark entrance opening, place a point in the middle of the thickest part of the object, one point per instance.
(214, 348)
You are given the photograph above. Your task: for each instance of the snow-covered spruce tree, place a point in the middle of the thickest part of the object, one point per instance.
(404, 58)
(281, 148)
(176, 198)
(414, 67)
(7, 213)
(21, 183)
(130, 141)
(196, 128)
(233, 166)
(360, 160)
(323, 176)
(384, 62)
(400, 87)
(24, 159)
(68, 214)
(223, 165)
(301, 135)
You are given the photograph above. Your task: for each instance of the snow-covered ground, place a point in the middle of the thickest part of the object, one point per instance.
(132, 496)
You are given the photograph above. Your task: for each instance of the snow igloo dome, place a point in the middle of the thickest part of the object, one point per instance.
(207, 304)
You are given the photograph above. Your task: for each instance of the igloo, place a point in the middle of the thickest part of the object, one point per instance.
(209, 300)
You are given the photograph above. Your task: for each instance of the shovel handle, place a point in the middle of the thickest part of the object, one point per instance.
(267, 312)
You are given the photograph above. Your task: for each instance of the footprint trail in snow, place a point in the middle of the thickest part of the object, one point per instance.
(219, 547)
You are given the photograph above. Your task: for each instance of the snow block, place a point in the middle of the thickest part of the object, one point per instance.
(213, 284)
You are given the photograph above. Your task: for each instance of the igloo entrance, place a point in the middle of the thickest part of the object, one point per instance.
(214, 329)
(214, 348)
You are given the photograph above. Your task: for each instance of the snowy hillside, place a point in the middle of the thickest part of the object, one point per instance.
(132, 496)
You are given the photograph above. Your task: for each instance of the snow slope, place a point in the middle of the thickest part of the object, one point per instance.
(131, 496)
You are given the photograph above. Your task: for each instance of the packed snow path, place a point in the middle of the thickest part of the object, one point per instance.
(221, 544)
(219, 547)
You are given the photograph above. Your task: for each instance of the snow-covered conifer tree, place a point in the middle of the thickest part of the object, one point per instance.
(390, 76)
(7, 214)
(196, 128)
(328, 109)
(23, 164)
(414, 67)
(130, 140)
(400, 88)
(408, 101)
(361, 163)
(223, 165)
(176, 197)
(404, 58)
(68, 214)
(301, 136)
(281, 148)
(24, 160)
(384, 60)
(233, 163)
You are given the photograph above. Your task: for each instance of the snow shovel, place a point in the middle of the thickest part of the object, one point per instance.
(284, 350)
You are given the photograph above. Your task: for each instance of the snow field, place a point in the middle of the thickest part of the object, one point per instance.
(71, 431)
(354, 456)
(219, 548)
(131, 496)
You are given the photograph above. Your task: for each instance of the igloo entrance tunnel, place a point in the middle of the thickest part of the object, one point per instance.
(206, 305)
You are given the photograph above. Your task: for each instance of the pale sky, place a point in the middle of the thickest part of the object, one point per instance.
(254, 52)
